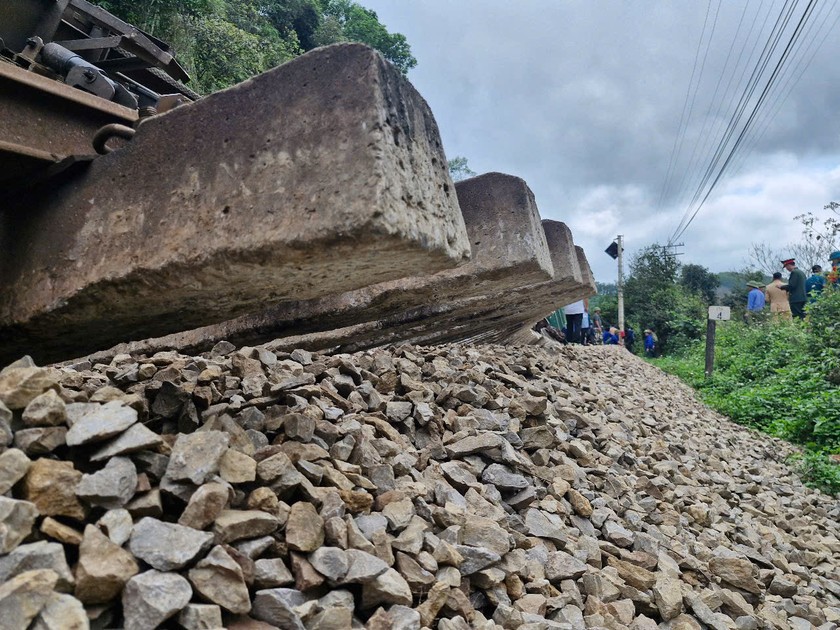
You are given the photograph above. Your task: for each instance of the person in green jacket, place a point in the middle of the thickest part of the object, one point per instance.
(795, 288)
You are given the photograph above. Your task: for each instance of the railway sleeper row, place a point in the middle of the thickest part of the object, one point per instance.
(310, 205)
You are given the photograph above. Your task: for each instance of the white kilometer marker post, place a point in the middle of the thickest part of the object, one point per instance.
(716, 314)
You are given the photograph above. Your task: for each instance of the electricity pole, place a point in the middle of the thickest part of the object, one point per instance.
(620, 241)
(673, 249)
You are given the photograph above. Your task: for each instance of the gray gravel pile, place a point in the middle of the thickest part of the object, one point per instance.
(447, 487)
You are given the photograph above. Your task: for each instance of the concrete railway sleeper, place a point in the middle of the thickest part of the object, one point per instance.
(310, 204)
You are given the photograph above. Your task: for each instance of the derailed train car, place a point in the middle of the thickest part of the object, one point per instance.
(71, 77)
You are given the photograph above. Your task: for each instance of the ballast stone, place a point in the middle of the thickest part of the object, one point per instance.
(644, 511)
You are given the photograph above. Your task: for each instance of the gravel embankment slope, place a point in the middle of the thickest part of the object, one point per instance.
(448, 487)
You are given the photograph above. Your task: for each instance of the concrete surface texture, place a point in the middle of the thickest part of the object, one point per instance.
(323, 175)
(585, 270)
(490, 317)
(512, 250)
(508, 248)
(584, 287)
(503, 315)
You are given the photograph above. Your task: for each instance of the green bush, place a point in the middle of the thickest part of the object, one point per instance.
(654, 299)
(816, 469)
(223, 42)
(824, 338)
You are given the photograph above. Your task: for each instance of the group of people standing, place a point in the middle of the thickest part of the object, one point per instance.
(788, 300)
(574, 324)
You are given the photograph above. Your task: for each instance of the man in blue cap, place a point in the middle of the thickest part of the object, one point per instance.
(795, 288)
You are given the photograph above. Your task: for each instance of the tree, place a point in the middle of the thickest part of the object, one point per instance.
(225, 54)
(699, 281)
(303, 18)
(819, 238)
(459, 169)
(651, 270)
(655, 300)
(823, 234)
(156, 16)
(173, 21)
(359, 24)
(222, 42)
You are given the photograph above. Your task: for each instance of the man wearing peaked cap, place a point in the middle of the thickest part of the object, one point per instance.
(795, 288)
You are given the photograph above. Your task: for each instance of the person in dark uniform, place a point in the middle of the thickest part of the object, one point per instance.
(629, 338)
(795, 288)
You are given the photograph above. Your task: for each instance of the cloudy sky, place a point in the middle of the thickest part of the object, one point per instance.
(584, 100)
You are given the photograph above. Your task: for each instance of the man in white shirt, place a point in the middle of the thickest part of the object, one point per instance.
(574, 320)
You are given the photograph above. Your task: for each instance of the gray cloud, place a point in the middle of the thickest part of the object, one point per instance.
(583, 99)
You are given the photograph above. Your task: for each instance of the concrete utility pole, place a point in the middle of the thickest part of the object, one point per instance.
(673, 249)
(620, 241)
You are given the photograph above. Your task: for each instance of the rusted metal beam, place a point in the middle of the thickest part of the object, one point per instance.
(101, 17)
(43, 117)
(92, 43)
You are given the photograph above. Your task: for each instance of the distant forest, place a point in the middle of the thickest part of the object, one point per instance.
(223, 42)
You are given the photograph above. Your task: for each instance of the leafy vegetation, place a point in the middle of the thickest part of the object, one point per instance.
(222, 42)
(820, 237)
(699, 281)
(780, 377)
(459, 169)
(655, 299)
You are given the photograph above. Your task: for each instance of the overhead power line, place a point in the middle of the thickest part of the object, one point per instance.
(741, 102)
(718, 169)
(789, 48)
(679, 136)
(707, 138)
(815, 37)
(746, 96)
